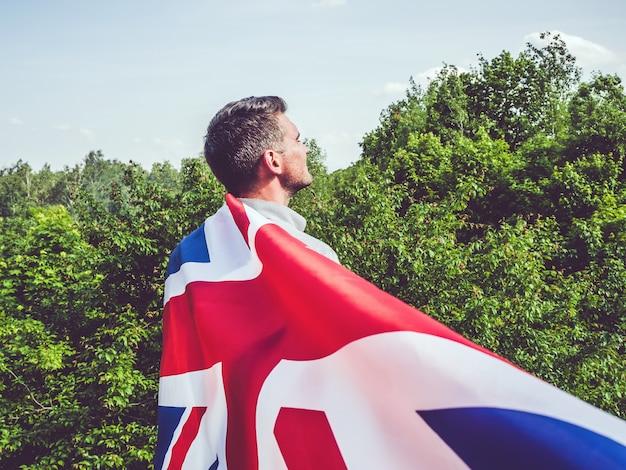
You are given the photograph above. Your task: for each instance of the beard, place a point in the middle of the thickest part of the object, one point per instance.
(294, 183)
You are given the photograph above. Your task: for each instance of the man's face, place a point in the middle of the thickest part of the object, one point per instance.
(296, 175)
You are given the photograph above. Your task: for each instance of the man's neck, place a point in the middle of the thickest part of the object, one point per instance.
(270, 193)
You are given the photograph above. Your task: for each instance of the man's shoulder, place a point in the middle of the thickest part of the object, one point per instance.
(192, 248)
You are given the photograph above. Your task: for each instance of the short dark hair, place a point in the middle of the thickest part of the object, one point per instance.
(238, 136)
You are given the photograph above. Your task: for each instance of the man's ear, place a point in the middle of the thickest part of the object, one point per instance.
(272, 162)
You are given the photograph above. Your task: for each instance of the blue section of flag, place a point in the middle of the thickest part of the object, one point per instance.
(192, 249)
(215, 465)
(169, 417)
(494, 438)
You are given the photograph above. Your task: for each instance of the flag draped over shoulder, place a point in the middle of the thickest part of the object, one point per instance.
(275, 357)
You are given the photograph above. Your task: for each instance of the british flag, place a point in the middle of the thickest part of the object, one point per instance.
(275, 357)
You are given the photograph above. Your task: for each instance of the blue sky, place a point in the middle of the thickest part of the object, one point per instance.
(140, 79)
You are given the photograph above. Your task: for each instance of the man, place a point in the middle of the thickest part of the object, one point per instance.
(255, 151)
(222, 317)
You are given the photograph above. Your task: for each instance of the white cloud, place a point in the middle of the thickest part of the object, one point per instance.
(424, 78)
(16, 121)
(394, 88)
(329, 3)
(136, 140)
(588, 54)
(63, 127)
(87, 133)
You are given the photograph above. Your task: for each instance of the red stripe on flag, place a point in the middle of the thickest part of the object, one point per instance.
(180, 339)
(187, 435)
(239, 215)
(307, 441)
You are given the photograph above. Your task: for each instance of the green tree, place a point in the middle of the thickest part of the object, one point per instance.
(598, 118)
(71, 391)
(15, 188)
(490, 203)
(81, 302)
(397, 123)
(446, 103)
(515, 98)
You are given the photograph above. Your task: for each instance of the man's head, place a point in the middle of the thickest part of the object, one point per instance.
(246, 133)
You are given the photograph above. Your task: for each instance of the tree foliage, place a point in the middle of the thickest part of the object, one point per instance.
(494, 200)
(80, 304)
(509, 184)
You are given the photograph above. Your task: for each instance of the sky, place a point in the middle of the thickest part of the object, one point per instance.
(140, 80)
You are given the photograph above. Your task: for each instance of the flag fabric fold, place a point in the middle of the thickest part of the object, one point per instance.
(275, 357)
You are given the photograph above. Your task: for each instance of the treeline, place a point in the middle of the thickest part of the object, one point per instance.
(494, 200)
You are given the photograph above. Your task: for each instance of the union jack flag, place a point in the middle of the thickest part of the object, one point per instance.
(275, 357)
